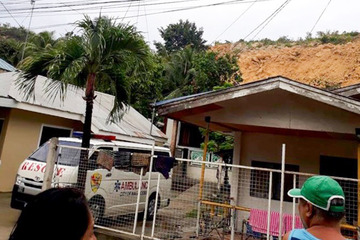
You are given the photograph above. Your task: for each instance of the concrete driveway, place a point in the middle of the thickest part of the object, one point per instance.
(8, 216)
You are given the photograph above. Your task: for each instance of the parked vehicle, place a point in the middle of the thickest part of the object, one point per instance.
(110, 192)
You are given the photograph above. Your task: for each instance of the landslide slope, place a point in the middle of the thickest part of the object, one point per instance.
(321, 65)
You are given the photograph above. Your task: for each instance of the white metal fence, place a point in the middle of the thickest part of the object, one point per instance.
(227, 202)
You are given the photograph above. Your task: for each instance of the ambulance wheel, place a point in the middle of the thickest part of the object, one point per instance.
(97, 206)
(151, 207)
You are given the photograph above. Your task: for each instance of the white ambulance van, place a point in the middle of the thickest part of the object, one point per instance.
(110, 192)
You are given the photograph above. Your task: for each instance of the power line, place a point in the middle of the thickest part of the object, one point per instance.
(138, 12)
(147, 25)
(10, 14)
(126, 12)
(320, 16)
(28, 31)
(111, 4)
(247, 9)
(269, 17)
(120, 2)
(167, 11)
(286, 3)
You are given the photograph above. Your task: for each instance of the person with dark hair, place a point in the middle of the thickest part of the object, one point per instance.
(321, 208)
(56, 214)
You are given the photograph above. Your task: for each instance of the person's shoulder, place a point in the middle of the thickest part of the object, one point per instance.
(292, 234)
(286, 236)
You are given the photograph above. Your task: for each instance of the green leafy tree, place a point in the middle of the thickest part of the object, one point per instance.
(8, 32)
(148, 88)
(214, 71)
(189, 72)
(107, 55)
(179, 74)
(179, 35)
(39, 42)
(218, 141)
(10, 51)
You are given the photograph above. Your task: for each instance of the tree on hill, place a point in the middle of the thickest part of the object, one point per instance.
(179, 35)
(12, 40)
(8, 32)
(188, 72)
(107, 56)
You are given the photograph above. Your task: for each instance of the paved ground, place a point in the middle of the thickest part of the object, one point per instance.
(8, 216)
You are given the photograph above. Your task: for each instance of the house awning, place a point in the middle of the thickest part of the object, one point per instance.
(275, 105)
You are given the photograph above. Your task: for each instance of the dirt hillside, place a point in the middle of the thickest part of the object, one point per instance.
(321, 65)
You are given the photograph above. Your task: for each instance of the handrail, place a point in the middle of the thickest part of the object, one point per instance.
(240, 208)
(246, 209)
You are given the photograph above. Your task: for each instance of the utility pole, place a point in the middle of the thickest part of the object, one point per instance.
(32, 2)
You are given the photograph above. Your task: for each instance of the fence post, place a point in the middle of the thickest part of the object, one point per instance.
(201, 184)
(138, 200)
(269, 207)
(50, 163)
(282, 190)
(358, 192)
(235, 175)
(156, 203)
(294, 205)
(148, 191)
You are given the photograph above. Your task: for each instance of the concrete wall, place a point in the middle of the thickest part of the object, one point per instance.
(281, 109)
(194, 172)
(19, 138)
(302, 151)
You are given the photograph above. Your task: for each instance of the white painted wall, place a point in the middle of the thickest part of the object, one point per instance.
(302, 151)
(282, 109)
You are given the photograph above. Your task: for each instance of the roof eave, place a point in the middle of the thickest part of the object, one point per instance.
(286, 84)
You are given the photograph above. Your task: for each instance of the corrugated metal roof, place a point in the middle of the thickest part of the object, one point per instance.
(133, 124)
(6, 66)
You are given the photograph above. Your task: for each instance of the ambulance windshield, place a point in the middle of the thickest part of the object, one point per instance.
(67, 156)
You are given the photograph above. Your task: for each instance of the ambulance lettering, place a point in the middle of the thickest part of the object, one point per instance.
(129, 186)
(38, 167)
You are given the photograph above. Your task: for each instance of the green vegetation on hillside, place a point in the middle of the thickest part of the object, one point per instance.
(320, 38)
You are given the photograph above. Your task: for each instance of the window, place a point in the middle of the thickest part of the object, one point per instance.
(259, 183)
(48, 132)
(67, 156)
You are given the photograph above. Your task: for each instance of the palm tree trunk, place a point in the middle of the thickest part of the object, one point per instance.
(89, 98)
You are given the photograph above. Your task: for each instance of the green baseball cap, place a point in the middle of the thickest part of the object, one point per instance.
(319, 191)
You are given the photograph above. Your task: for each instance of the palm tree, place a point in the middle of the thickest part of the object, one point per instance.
(180, 73)
(106, 53)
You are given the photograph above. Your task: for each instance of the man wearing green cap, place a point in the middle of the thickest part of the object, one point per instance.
(321, 209)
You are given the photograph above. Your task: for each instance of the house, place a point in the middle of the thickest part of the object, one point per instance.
(317, 126)
(6, 67)
(27, 123)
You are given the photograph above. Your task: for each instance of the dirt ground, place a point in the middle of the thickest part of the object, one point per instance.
(322, 65)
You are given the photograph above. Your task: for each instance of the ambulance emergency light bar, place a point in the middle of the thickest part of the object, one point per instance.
(95, 136)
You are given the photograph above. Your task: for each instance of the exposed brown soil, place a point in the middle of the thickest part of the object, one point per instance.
(321, 65)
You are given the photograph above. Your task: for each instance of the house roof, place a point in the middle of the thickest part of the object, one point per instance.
(133, 126)
(349, 91)
(6, 66)
(274, 105)
(328, 97)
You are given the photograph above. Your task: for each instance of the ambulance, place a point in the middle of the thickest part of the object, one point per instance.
(110, 192)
